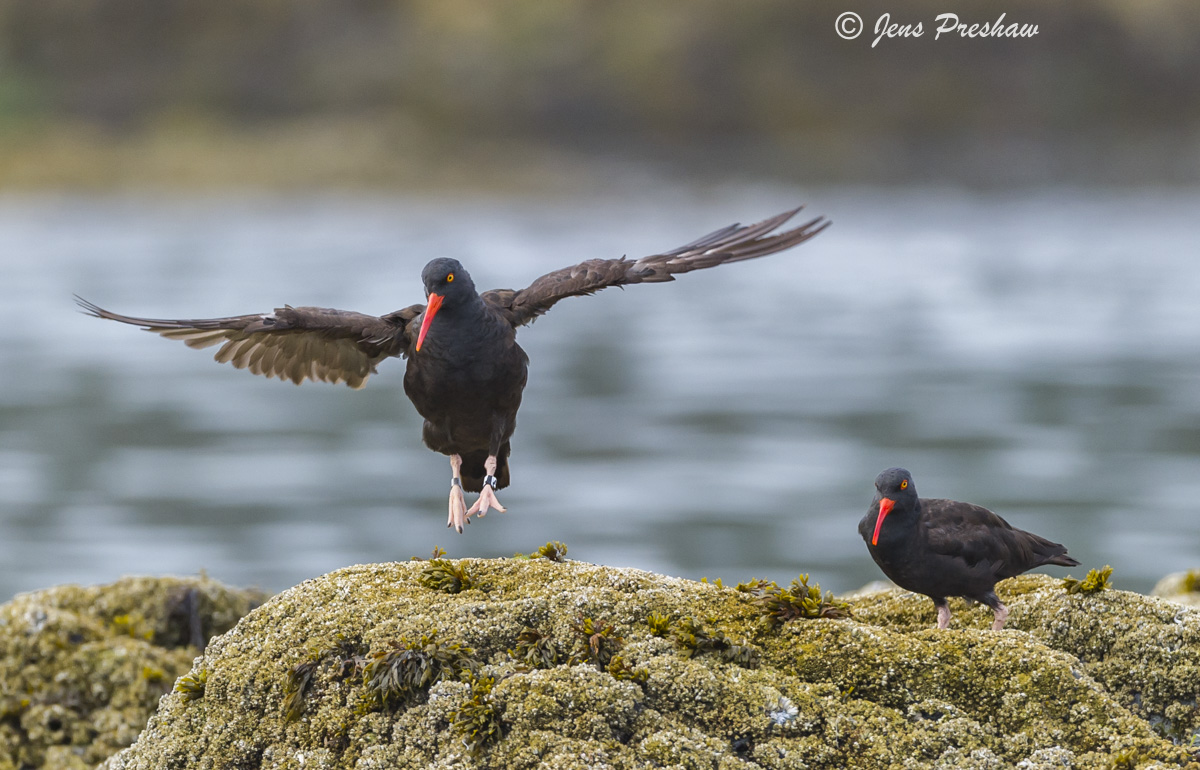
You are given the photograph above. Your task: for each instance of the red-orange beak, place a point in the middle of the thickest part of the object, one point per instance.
(885, 507)
(431, 308)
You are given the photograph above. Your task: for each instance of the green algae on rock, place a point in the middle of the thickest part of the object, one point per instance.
(878, 691)
(82, 668)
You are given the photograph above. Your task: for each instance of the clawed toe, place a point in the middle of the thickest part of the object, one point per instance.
(487, 499)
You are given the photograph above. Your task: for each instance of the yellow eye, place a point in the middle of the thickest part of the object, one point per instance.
(450, 278)
(904, 484)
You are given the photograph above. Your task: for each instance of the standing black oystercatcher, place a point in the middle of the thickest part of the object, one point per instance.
(465, 371)
(946, 548)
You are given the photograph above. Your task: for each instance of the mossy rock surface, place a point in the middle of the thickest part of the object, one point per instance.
(83, 668)
(882, 690)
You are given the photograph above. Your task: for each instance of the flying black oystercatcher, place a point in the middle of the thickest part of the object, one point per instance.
(946, 548)
(465, 372)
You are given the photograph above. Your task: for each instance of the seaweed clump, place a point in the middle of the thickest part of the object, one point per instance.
(349, 660)
(1191, 581)
(552, 551)
(695, 639)
(600, 642)
(298, 680)
(191, 685)
(536, 649)
(660, 625)
(445, 575)
(478, 720)
(620, 669)
(404, 670)
(800, 600)
(1095, 582)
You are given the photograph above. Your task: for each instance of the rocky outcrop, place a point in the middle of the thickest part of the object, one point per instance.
(82, 669)
(517, 663)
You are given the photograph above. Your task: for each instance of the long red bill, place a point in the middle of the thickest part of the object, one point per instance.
(885, 507)
(431, 308)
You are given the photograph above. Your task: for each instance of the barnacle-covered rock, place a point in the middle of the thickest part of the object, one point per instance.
(1143, 651)
(82, 669)
(879, 690)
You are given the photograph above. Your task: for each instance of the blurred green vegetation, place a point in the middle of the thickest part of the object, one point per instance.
(515, 91)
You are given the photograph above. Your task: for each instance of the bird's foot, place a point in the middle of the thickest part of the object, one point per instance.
(487, 499)
(943, 612)
(1001, 616)
(458, 508)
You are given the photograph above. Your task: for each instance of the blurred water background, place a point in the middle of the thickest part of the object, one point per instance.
(1037, 354)
(1005, 305)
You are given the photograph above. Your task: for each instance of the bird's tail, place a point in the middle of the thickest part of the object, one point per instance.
(473, 471)
(1062, 560)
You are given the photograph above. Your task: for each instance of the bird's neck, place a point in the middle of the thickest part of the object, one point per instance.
(457, 329)
(470, 310)
(899, 527)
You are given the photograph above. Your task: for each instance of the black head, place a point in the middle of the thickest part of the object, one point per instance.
(449, 286)
(896, 483)
(895, 499)
(448, 279)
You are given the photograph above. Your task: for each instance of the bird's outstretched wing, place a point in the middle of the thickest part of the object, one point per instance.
(291, 343)
(729, 244)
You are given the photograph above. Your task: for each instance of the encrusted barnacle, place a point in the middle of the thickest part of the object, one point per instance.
(600, 642)
(405, 670)
(660, 625)
(695, 639)
(445, 575)
(552, 551)
(299, 678)
(619, 668)
(536, 649)
(477, 720)
(191, 685)
(800, 600)
(782, 711)
(1095, 582)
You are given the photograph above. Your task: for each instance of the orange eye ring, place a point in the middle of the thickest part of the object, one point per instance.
(450, 278)
(904, 484)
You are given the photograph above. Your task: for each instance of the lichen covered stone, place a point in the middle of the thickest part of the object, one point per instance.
(367, 668)
(82, 668)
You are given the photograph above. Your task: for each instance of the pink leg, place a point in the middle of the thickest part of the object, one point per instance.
(458, 503)
(1001, 616)
(943, 616)
(487, 498)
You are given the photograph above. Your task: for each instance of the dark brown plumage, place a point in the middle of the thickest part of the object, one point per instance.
(944, 548)
(465, 373)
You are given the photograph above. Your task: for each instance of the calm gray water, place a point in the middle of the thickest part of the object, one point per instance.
(1038, 354)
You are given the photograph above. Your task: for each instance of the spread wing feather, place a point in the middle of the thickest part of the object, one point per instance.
(729, 244)
(291, 343)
